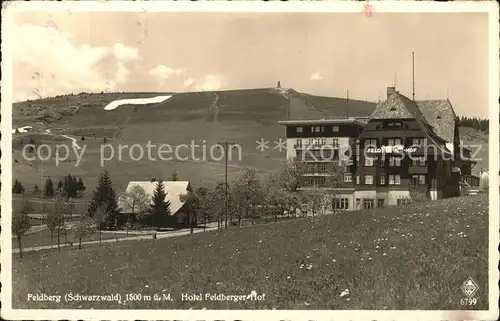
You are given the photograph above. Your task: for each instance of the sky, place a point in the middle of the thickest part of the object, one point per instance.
(317, 53)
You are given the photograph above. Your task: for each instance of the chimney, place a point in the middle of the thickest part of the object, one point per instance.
(390, 91)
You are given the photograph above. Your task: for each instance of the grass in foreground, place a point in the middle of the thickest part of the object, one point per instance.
(411, 257)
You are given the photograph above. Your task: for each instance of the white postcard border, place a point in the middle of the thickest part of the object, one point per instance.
(245, 6)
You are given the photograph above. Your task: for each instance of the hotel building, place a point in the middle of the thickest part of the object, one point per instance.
(403, 145)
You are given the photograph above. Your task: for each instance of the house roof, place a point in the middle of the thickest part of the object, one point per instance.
(173, 189)
(440, 114)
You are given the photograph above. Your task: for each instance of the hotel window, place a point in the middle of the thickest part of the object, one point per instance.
(394, 141)
(369, 161)
(394, 179)
(419, 142)
(335, 143)
(317, 181)
(342, 204)
(358, 179)
(335, 128)
(380, 202)
(299, 129)
(322, 141)
(372, 143)
(418, 180)
(322, 167)
(368, 203)
(420, 161)
(403, 201)
(381, 160)
(298, 143)
(394, 161)
(368, 180)
(317, 129)
(381, 179)
(348, 177)
(394, 125)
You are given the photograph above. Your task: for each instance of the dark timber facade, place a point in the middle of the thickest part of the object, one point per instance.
(403, 146)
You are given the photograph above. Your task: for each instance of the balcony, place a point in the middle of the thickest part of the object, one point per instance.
(417, 169)
(316, 146)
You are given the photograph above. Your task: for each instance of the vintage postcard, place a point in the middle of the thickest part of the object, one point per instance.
(250, 160)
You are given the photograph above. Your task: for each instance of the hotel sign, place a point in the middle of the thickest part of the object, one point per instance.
(396, 149)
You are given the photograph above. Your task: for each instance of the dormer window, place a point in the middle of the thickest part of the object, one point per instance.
(394, 125)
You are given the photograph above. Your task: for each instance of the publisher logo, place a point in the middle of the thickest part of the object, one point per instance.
(469, 287)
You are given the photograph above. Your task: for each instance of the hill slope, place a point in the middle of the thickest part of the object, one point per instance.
(200, 118)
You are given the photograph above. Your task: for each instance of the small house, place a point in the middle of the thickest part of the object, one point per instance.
(173, 190)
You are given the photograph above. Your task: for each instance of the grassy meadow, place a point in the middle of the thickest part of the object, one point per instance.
(414, 256)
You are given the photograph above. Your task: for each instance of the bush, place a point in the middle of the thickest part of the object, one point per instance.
(451, 189)
(417, 195)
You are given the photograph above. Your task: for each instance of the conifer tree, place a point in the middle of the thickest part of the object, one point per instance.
(81, 187)
(160, 207)
(70, 186)
(17, 188)
(104, 196)
(60, 186)
(36, 190)
(49, 188)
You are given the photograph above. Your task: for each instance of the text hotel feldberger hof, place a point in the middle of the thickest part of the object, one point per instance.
(403, 146)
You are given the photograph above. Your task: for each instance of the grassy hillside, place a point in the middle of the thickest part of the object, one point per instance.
(409, 257)
(201, 118)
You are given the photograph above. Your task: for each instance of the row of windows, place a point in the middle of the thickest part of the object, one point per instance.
(395, 142)
(318, 142)
(393, 161)
(368, 203)
(416, 180)
(318, 129)
(393, 126)
(368, 143)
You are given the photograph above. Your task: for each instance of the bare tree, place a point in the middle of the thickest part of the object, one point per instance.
(290, 174)
(336, 172)
(21, 224)
(191, 204)
(203, 205)
(275, 196)
(134, 203)
(55, 221)
(314, 198)
(247, 193)
(216, 203)
(84, 228)
(100, 217)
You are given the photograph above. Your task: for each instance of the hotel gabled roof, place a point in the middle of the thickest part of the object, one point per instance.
(398, 106)
(441, 116)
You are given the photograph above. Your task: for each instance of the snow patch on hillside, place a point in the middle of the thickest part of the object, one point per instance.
(136, 101)
(24, 129)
